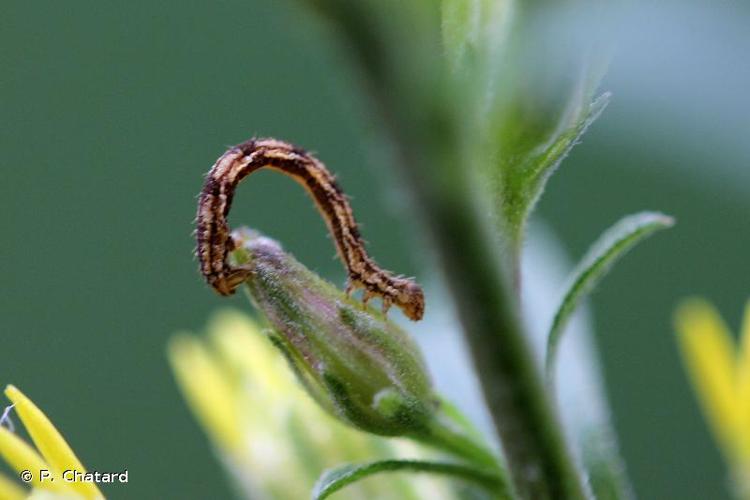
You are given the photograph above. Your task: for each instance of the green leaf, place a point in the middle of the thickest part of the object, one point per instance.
(525, 183)
(613, 244)
(335, 479)
(547, 163)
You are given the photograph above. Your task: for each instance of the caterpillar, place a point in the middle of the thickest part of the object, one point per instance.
(214, 241)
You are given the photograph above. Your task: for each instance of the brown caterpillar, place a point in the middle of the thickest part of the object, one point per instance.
(213, 235)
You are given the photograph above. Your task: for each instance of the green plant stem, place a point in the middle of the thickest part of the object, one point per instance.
(530, 433)
(481, 269)
(480, 273)
(480, 266)
(425, 116)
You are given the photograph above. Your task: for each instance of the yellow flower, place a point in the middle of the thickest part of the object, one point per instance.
(720, 371)
(9, 490)
(270, 435)
(42, 467)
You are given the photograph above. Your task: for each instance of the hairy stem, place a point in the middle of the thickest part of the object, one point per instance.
(531, 436)
(425, 115)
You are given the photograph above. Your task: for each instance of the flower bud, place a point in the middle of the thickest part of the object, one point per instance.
(355, 363)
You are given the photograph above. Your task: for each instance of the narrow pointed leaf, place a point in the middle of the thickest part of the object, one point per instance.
(612, 245)
(525, 184)
(548, 162)
(335, 479)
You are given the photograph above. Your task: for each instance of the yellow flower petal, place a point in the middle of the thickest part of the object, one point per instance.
(743, 374)
(49, 441)
(745, 331)
(242, 345)
(9, 490)
(208, 391)
(708, 353)
(52, 495)
(22, 457)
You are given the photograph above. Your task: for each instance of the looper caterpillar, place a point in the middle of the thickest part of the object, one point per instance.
(213, 234)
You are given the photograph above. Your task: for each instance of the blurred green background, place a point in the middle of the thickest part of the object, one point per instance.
(113, 111)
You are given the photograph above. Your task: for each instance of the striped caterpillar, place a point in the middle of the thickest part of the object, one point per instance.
(213, 234)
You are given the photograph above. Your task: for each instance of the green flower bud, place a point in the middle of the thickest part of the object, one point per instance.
(355, 363)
